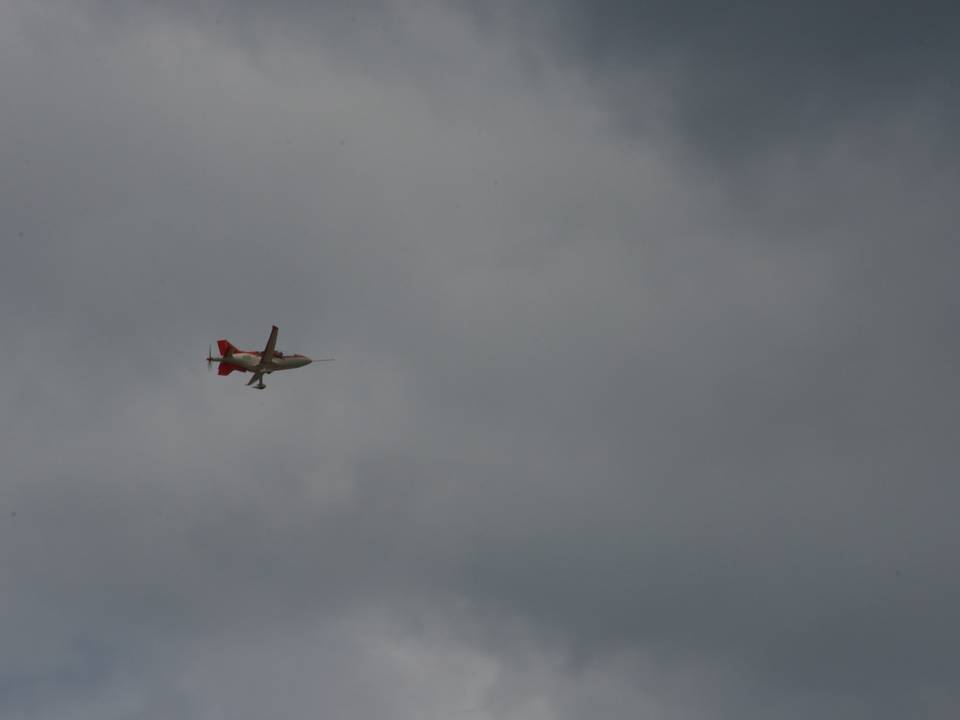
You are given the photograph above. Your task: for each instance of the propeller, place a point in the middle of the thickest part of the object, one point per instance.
(210, 359)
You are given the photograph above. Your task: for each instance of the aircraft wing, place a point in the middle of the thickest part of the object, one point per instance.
(267, 357)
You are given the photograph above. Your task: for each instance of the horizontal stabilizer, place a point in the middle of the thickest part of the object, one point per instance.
(225, 369)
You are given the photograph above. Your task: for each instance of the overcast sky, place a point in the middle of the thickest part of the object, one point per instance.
(644, 402)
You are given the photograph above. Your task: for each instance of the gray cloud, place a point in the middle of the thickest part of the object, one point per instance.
(744, 78)
(607, 432)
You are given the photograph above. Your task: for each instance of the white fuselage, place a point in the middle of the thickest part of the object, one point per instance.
(250, 361)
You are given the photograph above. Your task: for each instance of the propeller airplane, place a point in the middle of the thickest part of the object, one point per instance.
(259, 363)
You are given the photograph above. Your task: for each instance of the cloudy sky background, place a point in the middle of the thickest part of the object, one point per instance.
(644, 401)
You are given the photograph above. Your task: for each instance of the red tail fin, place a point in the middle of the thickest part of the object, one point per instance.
(225, 369)
(226, 349)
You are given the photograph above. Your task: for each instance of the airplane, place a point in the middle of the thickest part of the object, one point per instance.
(256, 362)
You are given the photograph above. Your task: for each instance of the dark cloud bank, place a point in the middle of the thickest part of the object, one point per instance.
(644, 400)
